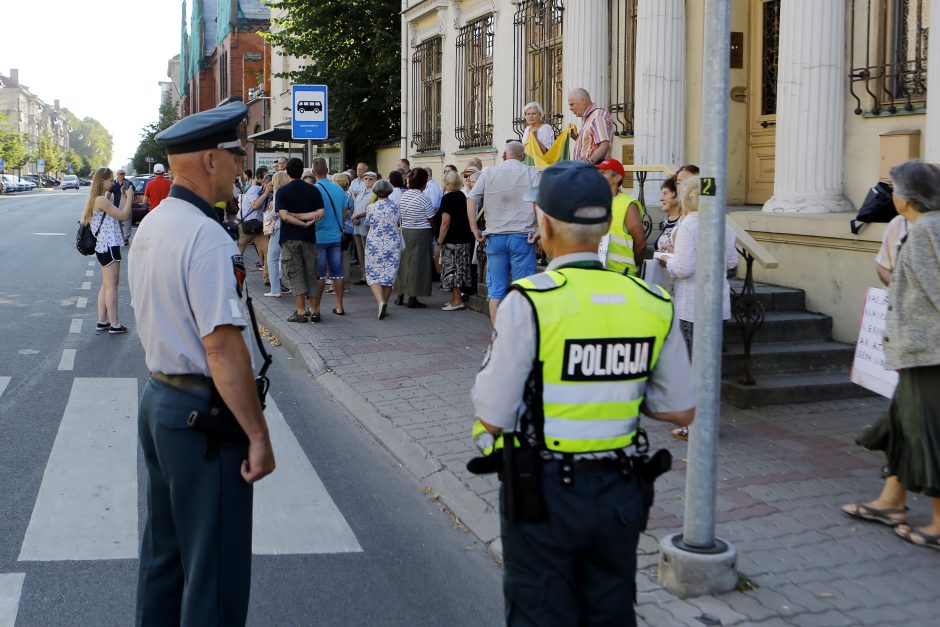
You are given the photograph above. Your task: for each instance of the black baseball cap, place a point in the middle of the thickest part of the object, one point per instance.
(568, 186)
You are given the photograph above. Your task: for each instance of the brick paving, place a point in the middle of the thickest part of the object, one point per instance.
(783, 472)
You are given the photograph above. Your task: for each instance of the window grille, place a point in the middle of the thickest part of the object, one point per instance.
(537, 61)
(426, 103)
(889, 54)
(475, 84)
(622, 30)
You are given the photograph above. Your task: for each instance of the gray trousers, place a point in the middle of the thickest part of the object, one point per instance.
(195, 556)
(579, 567)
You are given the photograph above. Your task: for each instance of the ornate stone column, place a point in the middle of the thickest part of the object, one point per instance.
(810, 108)
(659, 119)
(932, 137)
(586, 61)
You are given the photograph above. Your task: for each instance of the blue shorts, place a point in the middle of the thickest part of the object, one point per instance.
(331, 260)
(509, 257)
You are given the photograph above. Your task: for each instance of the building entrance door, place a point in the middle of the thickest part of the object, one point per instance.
(764, 19)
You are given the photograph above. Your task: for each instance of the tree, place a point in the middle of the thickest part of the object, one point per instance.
(12, 145)
(353, 47)
(48, 150)
(148, 146)
(91, 140)
(75, 160)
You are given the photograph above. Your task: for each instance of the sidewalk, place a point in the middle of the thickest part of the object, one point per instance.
(783, 471)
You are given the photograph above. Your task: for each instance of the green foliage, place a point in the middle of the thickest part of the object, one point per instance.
(12, 145)
(48, 150)
(91, 140)
(353, 48)
(148, 146)
(75, 160)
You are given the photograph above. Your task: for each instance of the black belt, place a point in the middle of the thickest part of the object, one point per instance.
(193, 383)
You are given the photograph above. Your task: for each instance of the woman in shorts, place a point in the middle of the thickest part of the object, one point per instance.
(105, 220)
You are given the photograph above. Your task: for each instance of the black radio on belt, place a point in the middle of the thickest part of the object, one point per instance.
(219, 423)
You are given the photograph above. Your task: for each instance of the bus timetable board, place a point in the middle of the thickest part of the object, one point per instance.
(309, 112)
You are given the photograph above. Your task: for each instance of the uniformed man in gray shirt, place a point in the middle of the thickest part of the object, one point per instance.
(186, 279)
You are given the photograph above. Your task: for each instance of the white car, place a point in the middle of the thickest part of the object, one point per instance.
(27, 184)
(12, 184)
(69, 181)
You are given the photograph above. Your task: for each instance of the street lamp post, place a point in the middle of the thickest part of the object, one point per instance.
(695, 562)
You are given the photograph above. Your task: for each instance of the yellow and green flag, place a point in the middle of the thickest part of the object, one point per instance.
(557, 152)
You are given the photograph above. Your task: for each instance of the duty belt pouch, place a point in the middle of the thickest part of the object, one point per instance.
(647, 470)
(522, 483)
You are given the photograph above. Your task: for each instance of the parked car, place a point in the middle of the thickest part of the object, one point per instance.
(138, 210)
(48, 181)
(11, 184)
(84, 182)
(27, 184)
(70, 181)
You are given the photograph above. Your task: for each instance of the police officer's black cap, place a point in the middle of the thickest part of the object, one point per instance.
(214, 128)
(569, 186)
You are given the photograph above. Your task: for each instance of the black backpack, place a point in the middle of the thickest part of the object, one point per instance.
(878, 206)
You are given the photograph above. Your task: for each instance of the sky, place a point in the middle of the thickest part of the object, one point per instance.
(100, 59)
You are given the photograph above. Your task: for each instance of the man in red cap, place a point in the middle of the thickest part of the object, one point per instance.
(626, 242)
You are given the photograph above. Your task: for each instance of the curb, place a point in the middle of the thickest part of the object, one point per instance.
(470, 511)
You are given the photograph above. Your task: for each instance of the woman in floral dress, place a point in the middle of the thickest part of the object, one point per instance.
(383, 245)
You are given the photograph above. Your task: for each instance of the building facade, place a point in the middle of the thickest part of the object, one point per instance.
(826, 96)
(32, 117)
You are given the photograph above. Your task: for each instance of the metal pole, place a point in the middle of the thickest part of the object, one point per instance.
(701, 476)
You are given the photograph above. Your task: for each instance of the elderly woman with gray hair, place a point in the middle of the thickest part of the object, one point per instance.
(909, 432)
(383, 245)
(544, 133)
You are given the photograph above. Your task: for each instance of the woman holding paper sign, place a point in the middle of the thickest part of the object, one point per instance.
(909, 432)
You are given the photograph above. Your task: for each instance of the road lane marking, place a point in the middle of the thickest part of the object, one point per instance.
(76, 326)
(293, 512)
(4, 382)
(68, 359)
(86, 285)
(48, 233)
(87, 503)
(89, 273)
(82, 302)
(11, 587)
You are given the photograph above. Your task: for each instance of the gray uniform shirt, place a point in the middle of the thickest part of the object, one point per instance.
(500, 190)
(497, 393)
(182, 282)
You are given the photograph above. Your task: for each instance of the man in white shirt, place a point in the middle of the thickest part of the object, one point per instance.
(433, 191)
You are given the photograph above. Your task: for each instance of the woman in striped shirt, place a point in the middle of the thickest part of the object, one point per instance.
(416, 211)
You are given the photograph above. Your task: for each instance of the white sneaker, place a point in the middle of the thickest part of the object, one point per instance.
(449, 307)
(273, 294)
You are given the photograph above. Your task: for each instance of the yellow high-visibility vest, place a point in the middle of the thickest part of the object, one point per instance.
(600, 334)
(620, 257)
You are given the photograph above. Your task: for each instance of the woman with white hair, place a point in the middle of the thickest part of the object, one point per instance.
(909, 432)
(544, 133)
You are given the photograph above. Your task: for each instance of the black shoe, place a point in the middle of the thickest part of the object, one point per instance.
(339, 313)
(314, 317)
(383, 311)
(360, 283)
(414, 303)
(297, 317)
(400, 300)
(102, 326)
(117, 330)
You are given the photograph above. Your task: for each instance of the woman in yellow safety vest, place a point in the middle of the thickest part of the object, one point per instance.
(626, 242)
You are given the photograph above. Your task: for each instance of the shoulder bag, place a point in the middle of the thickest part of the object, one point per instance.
(250, 227)
(85, 239)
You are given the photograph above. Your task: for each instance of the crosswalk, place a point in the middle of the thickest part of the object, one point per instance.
(87, 506)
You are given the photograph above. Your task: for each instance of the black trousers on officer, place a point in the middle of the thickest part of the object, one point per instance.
(195, 557)
(579, 567)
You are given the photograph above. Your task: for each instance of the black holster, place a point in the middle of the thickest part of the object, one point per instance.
(647, 469)
(219, 423)
(522, 499)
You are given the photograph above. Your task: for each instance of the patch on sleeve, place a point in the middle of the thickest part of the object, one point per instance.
(238, 267)
(235, 307)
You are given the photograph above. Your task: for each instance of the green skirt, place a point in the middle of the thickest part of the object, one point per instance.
(909, 432)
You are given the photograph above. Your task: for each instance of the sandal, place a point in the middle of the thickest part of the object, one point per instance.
(682, 433)
(870, 514)
(297, 317)
(917, 537)
(339, 313)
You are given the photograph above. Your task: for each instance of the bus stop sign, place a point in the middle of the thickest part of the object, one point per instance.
(309, 112)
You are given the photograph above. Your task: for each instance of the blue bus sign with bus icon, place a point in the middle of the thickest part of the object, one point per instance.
(309, 112)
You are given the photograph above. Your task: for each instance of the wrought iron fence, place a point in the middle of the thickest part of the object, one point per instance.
(475, 84)
(622, 31)
(889, 55)
(537, 61)
(426, 96)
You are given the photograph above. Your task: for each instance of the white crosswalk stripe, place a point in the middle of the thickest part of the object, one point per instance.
(11, 586)
(87, 506)
(4, 382)
(87, 503)
(293, 513)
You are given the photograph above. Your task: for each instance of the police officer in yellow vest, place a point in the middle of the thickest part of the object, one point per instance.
(577, 353)
(626, 241)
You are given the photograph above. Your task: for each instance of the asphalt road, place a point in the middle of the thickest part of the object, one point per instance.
(345, 537)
